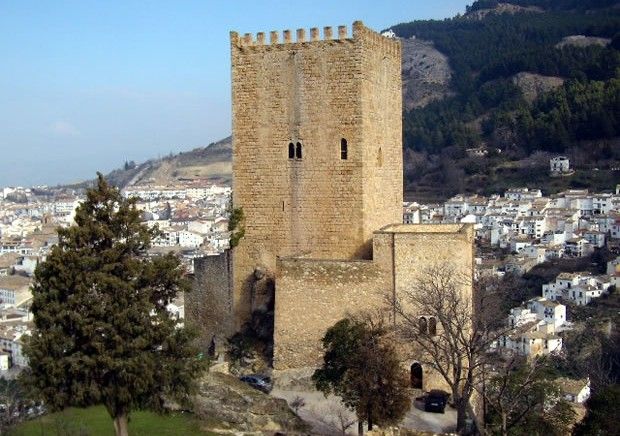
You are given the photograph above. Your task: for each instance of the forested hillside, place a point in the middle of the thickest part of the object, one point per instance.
(489, 108)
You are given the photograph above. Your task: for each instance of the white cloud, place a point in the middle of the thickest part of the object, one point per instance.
(64, 128)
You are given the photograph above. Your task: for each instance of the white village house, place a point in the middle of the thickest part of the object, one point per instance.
(534, 327)
(581, 288)
(559, 165)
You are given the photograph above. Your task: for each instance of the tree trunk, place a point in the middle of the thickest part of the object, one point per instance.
(360, 428)
(461, 415)
(504, 425)
(120, 425)
(369, 418)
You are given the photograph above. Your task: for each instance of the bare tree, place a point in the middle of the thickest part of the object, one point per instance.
(344, 420)
(334, 417)
(521, 395)
(451, 324)
(11, 398)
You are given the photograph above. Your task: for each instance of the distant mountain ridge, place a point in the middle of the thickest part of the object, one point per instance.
(541, 5)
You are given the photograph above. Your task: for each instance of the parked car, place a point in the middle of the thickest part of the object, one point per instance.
(435, 401)
(260, 382)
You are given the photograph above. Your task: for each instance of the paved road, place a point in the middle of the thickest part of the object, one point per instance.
(325, 415)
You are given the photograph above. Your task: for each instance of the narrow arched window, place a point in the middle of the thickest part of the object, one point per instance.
(298, 151)
(422, 325)
(379, 157)
(432, 326)
(291, 150)
(343, 149)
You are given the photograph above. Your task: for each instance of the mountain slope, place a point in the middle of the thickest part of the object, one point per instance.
(525, 81)
(426, 73)
(212, 164)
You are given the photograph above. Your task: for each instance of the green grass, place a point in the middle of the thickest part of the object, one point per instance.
(95, 421)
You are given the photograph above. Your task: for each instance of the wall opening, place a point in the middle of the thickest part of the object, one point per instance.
(432, 326)
(298, 153)
(422, 325)
(379, 157)
(416, 376)
(344, 149)
(291, 150)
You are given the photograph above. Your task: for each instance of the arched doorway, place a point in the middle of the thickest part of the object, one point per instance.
(416, 375)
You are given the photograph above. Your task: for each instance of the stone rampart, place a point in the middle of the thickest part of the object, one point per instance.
(311, 295)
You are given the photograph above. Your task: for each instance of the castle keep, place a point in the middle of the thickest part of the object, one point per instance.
(318, 174)
(317, 156)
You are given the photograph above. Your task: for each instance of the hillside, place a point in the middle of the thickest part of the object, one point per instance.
(530, 78)
(212, 163)
(487, 8)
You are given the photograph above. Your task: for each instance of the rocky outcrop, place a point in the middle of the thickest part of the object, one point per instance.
(426, 73)
(502, 8)
(532, 85)
(582, 41)
(212, 163)
(228, 405)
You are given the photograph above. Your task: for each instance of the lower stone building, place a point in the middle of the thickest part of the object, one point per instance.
(313, 294)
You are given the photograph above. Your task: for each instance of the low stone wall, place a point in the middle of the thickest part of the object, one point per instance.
(311, 296)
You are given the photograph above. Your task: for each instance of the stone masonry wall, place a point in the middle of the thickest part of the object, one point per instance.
(431, 245)
(314, 92)
(312, 295)
(382, 124)
(208, 307)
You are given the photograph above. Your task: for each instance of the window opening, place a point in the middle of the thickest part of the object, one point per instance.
(432, 326)
(416, 376)
(343, 149)
(422, 325)
(291, 150)
(298, 151)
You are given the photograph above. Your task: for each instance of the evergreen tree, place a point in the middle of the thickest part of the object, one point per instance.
(362, 367)
(102, 331)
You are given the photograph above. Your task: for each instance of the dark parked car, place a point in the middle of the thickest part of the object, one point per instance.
(435, 401)
(262, 383)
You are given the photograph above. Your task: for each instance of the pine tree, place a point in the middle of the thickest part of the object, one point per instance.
(102, 332)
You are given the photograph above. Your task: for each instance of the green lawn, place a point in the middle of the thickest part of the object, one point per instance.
(95, 421)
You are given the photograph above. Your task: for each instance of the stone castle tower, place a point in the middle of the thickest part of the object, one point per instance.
(317, 148)
(318, 174)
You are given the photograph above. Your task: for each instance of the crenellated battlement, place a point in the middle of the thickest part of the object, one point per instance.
(360, 33)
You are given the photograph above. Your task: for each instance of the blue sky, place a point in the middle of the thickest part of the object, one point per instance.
(86, 85)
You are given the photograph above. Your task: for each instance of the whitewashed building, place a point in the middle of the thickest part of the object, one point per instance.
(580, 288)
(559, 165)
(574, 391)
